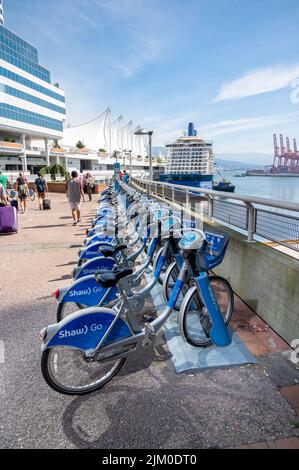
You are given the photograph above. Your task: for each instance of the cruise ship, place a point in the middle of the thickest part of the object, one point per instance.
(190, 161)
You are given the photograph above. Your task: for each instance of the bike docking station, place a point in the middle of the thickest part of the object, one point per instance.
(186, 357)
(136, 250)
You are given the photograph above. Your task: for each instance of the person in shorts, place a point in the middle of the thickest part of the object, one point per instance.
(74, 193)
(88, 183)
(41, 189)
(23, 192)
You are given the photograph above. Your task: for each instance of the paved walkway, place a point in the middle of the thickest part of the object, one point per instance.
(148, 405)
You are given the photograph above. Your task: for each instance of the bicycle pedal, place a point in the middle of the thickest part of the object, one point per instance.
(148, 318)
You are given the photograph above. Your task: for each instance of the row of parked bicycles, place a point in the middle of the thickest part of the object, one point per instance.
(134, 244)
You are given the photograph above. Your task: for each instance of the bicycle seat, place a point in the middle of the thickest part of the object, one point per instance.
(110, 278)
(108, 251)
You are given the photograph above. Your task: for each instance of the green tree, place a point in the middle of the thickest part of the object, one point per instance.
(56, 144)
(80, 145)
(55, 170)
(102, 150)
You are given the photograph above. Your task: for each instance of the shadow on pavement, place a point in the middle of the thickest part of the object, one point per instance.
(45, 226)
(136, 417)
(62, 278)
(72, 263)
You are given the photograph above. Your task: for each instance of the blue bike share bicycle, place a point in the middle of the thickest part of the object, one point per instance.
(88, 347)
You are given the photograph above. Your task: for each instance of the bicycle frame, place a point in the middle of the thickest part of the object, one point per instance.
(59, 335)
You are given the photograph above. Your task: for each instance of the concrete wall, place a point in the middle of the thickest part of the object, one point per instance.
(266, 279)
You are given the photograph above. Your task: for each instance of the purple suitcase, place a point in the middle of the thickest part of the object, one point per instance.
(8, 220)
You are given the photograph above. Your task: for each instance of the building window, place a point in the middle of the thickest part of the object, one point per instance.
(11, 112)
(32, 99)
(28, 83)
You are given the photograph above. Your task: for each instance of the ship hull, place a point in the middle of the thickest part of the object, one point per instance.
(195, 181)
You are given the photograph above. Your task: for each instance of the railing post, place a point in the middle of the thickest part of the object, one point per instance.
(250, 221)
(173, 194)
(163, 191)
(187, 200)
(210, 207)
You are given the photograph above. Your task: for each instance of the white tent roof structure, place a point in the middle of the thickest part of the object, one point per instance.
(102, 132)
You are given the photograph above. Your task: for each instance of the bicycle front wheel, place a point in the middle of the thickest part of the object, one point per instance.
(155, 264)
(69, 372)
(195, 322)
(169, 282)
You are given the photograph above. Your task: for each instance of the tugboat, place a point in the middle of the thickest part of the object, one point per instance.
(224, 185)
(190, 161)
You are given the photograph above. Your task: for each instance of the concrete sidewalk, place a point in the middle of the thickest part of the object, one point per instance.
(148, 405)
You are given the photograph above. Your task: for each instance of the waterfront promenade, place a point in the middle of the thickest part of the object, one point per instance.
(148, 405)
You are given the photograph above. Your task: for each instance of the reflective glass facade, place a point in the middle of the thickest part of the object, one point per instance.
(41, 106)
(32, 99)
(18, 114)
(17, 52)
(28, 83)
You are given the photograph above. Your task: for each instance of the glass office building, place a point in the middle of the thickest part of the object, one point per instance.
(32, 109)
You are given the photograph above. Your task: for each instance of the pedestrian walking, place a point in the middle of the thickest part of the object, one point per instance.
(3, 197)
(88, 182)
(23, 192)
(3, 180)
(74, 193)
(41, 189)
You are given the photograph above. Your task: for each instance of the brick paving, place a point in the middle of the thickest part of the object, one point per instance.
(289, 443)
(259, 338)
(291, 394)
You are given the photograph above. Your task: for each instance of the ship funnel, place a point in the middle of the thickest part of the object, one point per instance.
(191, 130)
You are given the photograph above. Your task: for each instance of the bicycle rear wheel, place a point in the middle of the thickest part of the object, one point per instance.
(195, 322)
(69, 372)
(67, 308)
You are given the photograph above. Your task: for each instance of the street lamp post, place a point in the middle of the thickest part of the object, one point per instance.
(150, 135)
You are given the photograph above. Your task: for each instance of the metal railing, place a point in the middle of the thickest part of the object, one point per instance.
(259, 218)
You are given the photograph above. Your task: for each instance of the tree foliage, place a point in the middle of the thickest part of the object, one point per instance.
(55, 170)
(80, 145)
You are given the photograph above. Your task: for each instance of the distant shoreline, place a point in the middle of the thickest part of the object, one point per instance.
(277, 175)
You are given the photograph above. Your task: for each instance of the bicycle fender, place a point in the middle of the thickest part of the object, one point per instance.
(84, 330)
(87, 291)
(101, 237)
(94, 266)
(92, 251)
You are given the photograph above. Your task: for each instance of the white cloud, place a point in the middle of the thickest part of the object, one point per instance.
(256, 82)
(239, 125)
(168, 130)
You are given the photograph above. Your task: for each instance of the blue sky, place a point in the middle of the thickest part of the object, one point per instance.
(227, 65)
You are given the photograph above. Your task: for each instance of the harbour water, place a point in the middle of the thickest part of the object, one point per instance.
(279, 188)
